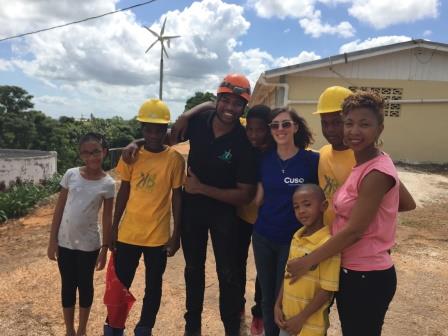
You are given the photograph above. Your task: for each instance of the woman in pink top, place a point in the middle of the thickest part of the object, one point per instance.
(366, 209)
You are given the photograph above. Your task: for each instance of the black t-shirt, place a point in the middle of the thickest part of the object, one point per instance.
(220, 162)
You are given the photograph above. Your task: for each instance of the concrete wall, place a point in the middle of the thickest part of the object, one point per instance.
(419, 135)
(27, 165)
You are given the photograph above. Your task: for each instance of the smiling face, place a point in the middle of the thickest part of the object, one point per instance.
(230, 108)
(283, 129)
(309, 205)
(333, 129)
(361, 129)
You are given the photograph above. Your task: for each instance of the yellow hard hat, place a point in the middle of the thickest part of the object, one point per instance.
(331, 99)
(154, 111)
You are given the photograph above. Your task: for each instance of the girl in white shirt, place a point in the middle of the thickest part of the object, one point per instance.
(75, 234)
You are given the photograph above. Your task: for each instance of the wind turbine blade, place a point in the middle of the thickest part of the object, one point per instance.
(152, 45)
(152, 32)
(170, 37)
(163, 26)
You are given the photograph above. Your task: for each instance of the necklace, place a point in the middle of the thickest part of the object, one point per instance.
(282, 165)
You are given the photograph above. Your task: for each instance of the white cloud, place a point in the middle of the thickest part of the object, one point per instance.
(383, 13)
(100, 66)
(427, 33)
(304, 56)
(21, 16)
(104, 62)
(5, 65)
(283, 8)
(304, 10)
(255, 61)
(372, 42)
(314, 27)
(377, 13)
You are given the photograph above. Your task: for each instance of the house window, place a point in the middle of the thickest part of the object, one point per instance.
(391, 109)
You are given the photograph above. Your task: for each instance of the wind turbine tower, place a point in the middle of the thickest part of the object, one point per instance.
(161, 38)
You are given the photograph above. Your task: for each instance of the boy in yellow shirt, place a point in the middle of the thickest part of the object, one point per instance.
(336, 159)
(150, 186)
(302, 307)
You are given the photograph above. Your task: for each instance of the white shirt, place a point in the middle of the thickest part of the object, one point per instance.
(79, 229)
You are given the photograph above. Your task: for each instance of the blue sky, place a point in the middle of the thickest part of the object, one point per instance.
(100, 67)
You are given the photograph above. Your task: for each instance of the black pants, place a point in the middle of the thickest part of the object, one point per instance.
(363, 300)
(244, 235)
(76, 269)
(196, 222)
(126, 263)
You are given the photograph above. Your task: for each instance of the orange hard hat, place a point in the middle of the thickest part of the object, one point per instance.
(237, 84)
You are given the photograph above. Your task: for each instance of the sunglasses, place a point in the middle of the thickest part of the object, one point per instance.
(284, 124)
(235, 89)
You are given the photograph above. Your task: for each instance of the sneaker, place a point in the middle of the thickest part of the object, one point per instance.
(256, 327)
(109, 331)
(142, 331)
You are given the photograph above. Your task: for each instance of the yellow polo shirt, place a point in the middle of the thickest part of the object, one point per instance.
(146, 220)
(325, 276)
(334, 168)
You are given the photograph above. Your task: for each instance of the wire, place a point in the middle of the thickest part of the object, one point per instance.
(79, 21)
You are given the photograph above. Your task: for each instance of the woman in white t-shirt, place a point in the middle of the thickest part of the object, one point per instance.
(75, 234)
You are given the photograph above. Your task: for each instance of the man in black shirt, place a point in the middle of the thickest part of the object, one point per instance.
(221, 176)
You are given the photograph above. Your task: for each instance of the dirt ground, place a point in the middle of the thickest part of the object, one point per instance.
(30, 285)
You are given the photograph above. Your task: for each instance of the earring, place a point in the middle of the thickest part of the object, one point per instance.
(379, 143)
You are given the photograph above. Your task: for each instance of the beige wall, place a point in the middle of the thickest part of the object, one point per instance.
(26, 168)
(419, 135)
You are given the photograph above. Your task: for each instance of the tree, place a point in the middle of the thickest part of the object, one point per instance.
(24, 128)
(14, 99)
(199, 97)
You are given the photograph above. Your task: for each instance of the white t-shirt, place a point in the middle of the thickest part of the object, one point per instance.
(79, 229)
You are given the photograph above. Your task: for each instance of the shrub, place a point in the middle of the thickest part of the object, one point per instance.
(23, 196)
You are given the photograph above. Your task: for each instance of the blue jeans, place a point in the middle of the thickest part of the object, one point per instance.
(270, 260)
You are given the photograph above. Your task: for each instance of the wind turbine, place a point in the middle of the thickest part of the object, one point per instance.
(161, 38)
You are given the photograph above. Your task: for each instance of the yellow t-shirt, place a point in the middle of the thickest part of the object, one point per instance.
(248, 212)
(325, 276)
(146, 220)
(334, 168)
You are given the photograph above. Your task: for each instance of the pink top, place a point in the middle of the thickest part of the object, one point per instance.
(371, 251)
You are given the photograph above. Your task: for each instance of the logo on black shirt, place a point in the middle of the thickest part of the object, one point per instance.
(226, 156)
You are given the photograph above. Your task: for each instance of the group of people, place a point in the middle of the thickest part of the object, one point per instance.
(322, 224)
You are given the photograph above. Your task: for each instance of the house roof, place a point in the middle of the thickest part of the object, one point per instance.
(355, 55)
